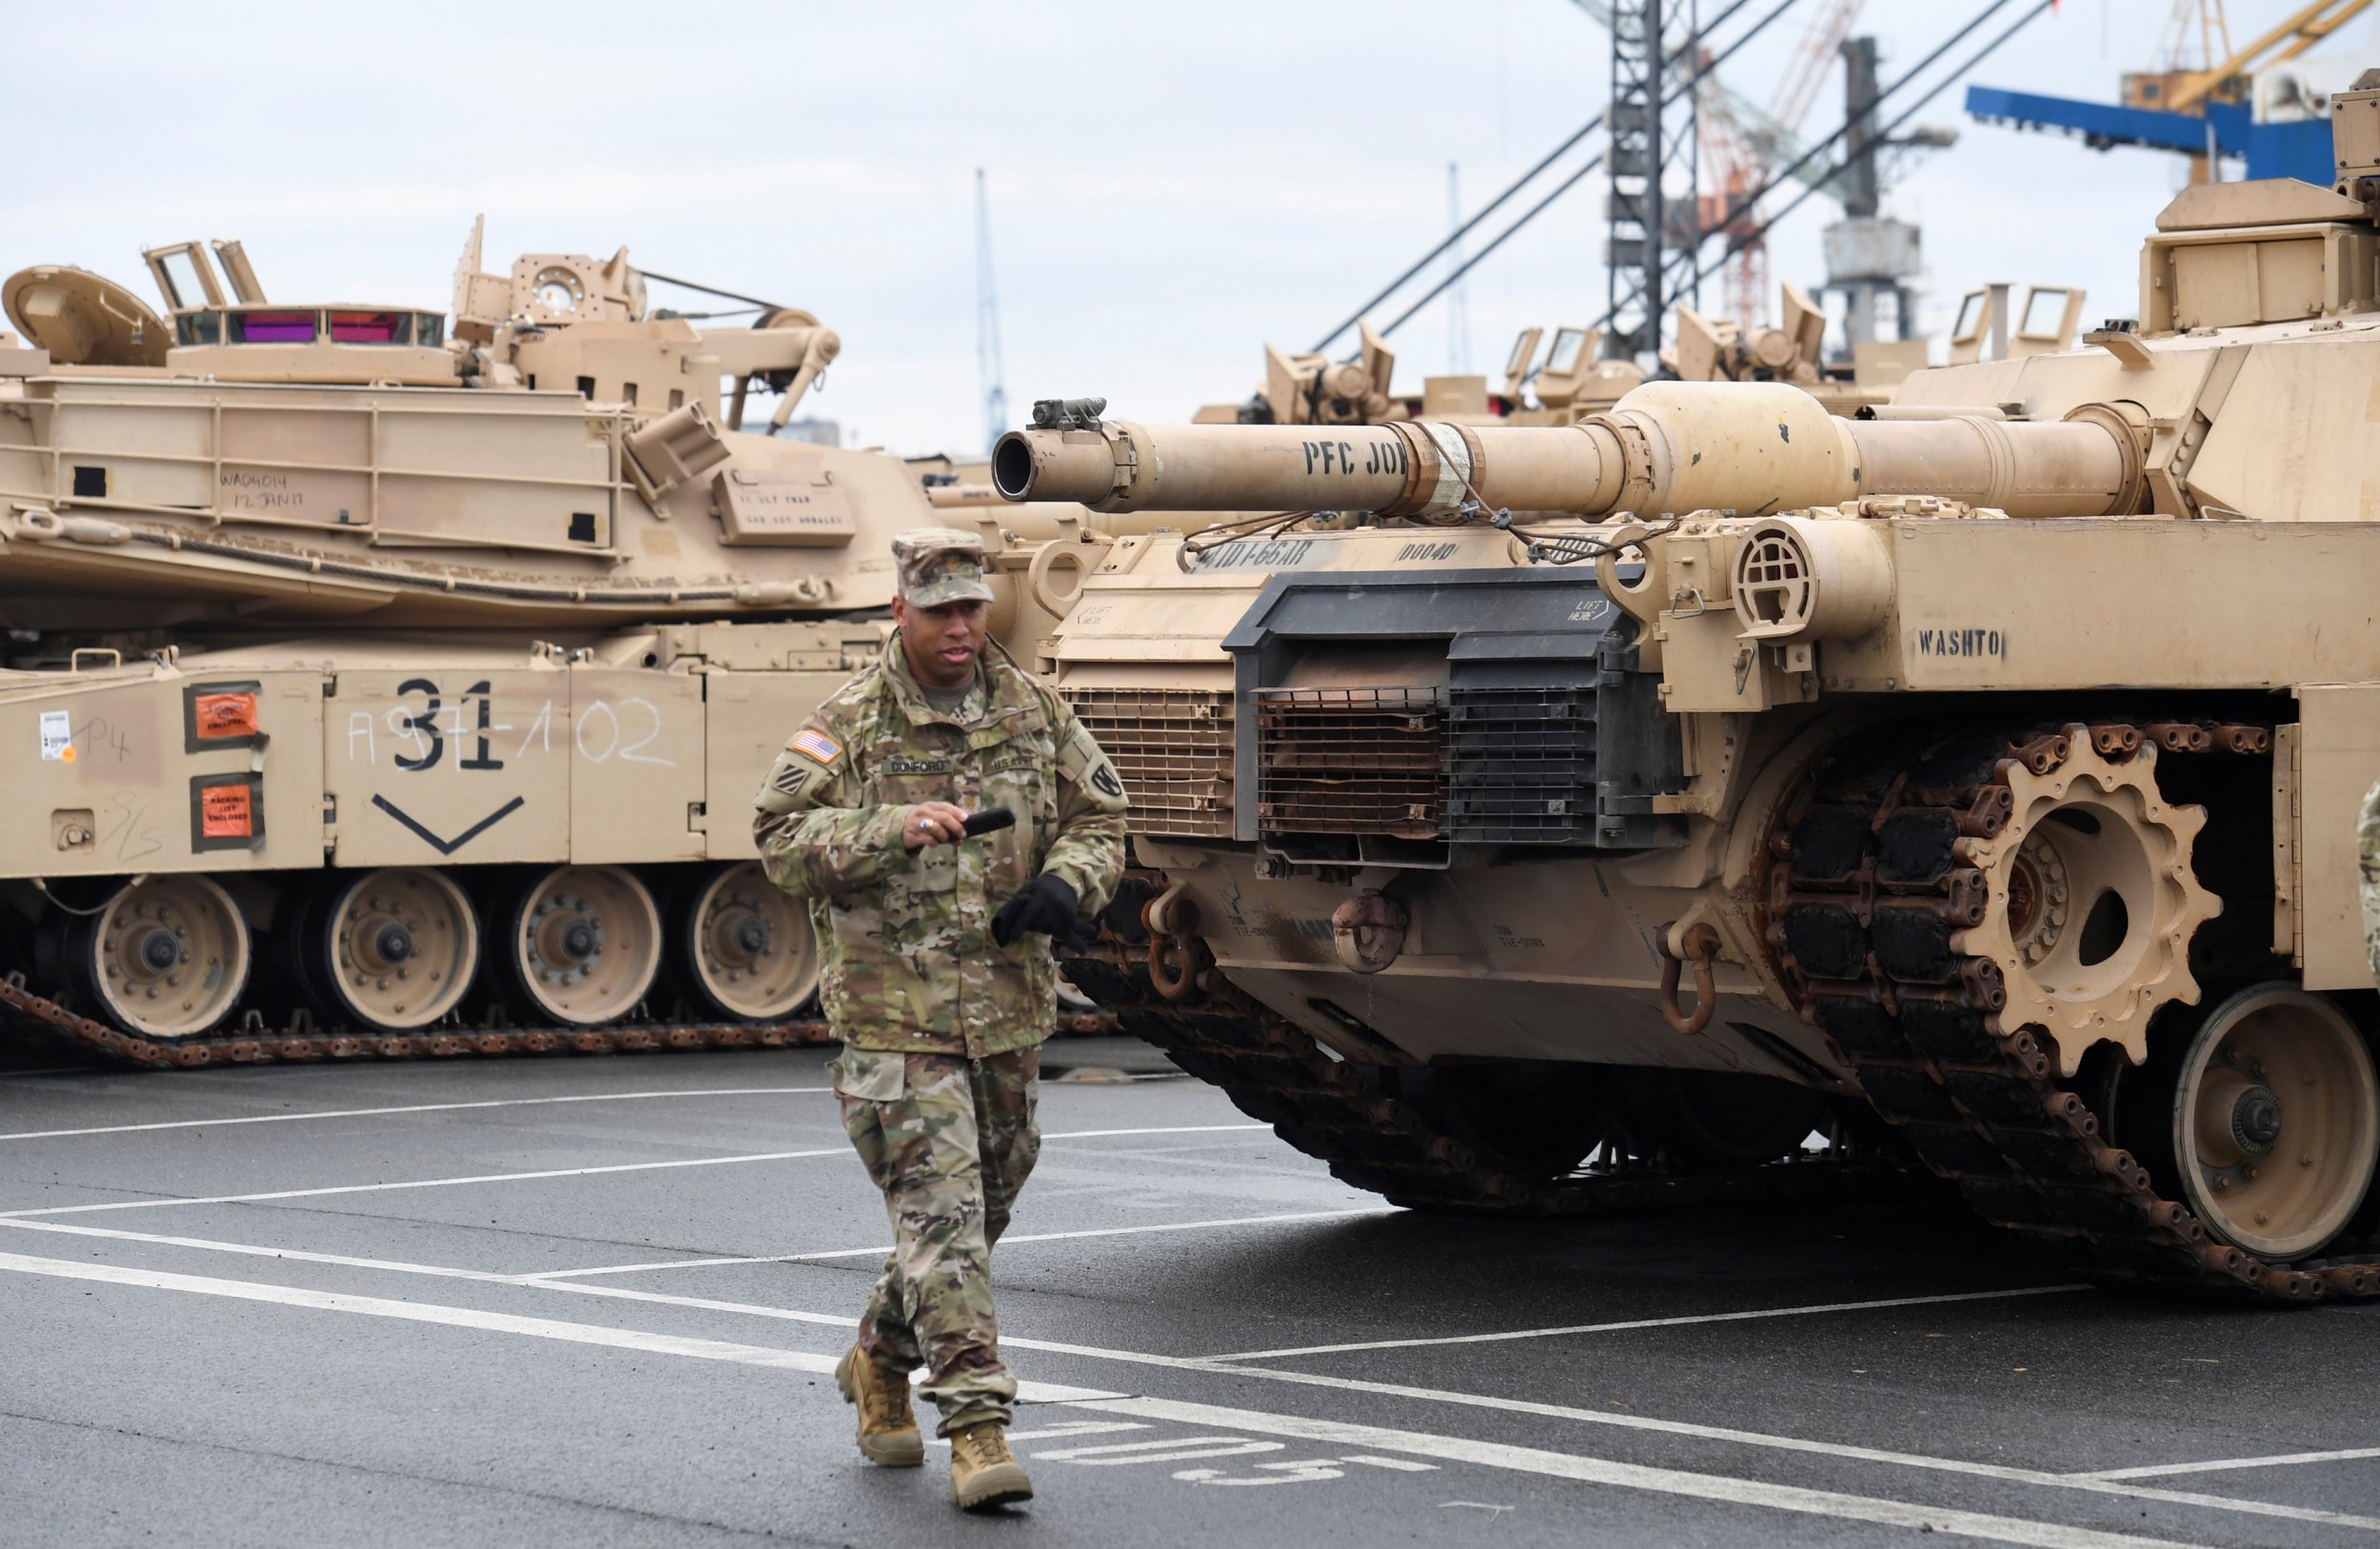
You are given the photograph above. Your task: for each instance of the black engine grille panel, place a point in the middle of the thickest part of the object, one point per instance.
(1522, 765)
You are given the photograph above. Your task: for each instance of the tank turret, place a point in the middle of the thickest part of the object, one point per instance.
(567, 451)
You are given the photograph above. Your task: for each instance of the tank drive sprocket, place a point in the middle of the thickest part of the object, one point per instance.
(1907, 909)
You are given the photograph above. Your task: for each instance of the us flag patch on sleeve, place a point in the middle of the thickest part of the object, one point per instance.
(817, 745)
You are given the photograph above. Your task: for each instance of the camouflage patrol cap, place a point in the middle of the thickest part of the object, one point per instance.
(940, 564)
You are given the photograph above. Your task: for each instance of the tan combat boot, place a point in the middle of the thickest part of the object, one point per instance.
(888, 1432)
(983, 1471)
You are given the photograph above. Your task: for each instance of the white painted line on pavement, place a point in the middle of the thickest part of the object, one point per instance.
(420, 1182)
(1552, 1464)
(557, 1280)
(749, 1309)
(2092, 1483)
(2287, 1460)
(1788, 1444)
(541, 1283)
(1714, 1487)
(1005, 1241)
(252, 1250)
(473, 1318)
(522, 1178)
(413, 1107)
(1649, 1323)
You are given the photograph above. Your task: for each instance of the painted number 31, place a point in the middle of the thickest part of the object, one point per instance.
(601, 731)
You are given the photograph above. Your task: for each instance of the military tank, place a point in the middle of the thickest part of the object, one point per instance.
(1565, 818)
(377, 686)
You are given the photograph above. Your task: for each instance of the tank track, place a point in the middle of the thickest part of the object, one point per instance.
(1341, 1113)
(1865, 892)
(302, 1043)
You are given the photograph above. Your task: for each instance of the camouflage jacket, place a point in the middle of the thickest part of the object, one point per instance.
(910, 964)
(2367, 854)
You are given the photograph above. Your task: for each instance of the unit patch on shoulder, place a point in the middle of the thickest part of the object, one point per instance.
(817, 745)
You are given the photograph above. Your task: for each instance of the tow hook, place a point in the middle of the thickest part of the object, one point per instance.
(1701, 945)
(1172, 921)
(1367, 932)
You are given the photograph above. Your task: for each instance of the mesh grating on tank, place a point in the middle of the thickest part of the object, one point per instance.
(1351, 760)
(1173, 749)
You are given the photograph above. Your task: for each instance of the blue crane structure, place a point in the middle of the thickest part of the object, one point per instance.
(2299, 149)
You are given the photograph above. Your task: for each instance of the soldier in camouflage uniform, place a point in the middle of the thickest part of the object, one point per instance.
(2368, 851)
(939, 975)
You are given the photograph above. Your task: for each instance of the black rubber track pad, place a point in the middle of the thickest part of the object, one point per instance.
(1826, 940)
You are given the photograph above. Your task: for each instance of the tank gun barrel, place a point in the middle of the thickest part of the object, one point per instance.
(1665, 446)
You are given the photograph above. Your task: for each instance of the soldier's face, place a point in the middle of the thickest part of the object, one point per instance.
(944, 643)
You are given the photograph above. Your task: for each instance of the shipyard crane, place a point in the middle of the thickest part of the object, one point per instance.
(2203, 112)
(1743, 145)
(2175, 90)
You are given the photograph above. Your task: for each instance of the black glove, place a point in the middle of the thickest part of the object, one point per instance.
(1045, 904)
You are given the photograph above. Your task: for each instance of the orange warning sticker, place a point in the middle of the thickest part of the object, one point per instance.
(223, 812)
(215, 716)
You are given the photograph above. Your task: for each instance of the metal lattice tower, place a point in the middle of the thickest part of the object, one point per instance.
(987, 362)
(1643, 225)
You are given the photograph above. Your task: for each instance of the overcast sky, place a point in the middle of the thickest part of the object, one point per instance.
(1172, 185)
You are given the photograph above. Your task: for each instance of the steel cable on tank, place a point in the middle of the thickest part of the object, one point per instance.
(1569, 547)
(1271, 525)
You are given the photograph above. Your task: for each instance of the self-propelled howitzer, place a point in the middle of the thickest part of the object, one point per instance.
(1567, 816)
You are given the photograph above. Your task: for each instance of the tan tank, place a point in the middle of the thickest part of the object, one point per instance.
(379, 687)
(1569, 818)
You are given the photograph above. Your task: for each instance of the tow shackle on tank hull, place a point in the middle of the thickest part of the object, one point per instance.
(1666, 447)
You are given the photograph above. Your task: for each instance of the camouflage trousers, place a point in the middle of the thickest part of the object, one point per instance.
(950, 1141)
(2367, 855)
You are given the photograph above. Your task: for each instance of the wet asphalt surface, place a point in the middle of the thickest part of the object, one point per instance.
(391, 1335)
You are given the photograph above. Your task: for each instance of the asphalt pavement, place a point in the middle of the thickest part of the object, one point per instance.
(597, 1302)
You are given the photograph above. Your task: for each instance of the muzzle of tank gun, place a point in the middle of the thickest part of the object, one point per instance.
(1667, 446)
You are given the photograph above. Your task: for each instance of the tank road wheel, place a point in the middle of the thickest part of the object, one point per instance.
(748, 948)
(585, 944)
(2274, 1120)
(168, 958)
(2096, 903)
(397, 948)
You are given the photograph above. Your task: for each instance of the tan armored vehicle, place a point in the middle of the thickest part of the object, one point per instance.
(379, 687)
(1656, 788)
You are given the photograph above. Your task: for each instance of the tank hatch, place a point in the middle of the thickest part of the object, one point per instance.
(83, 319)
(1396, 715)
